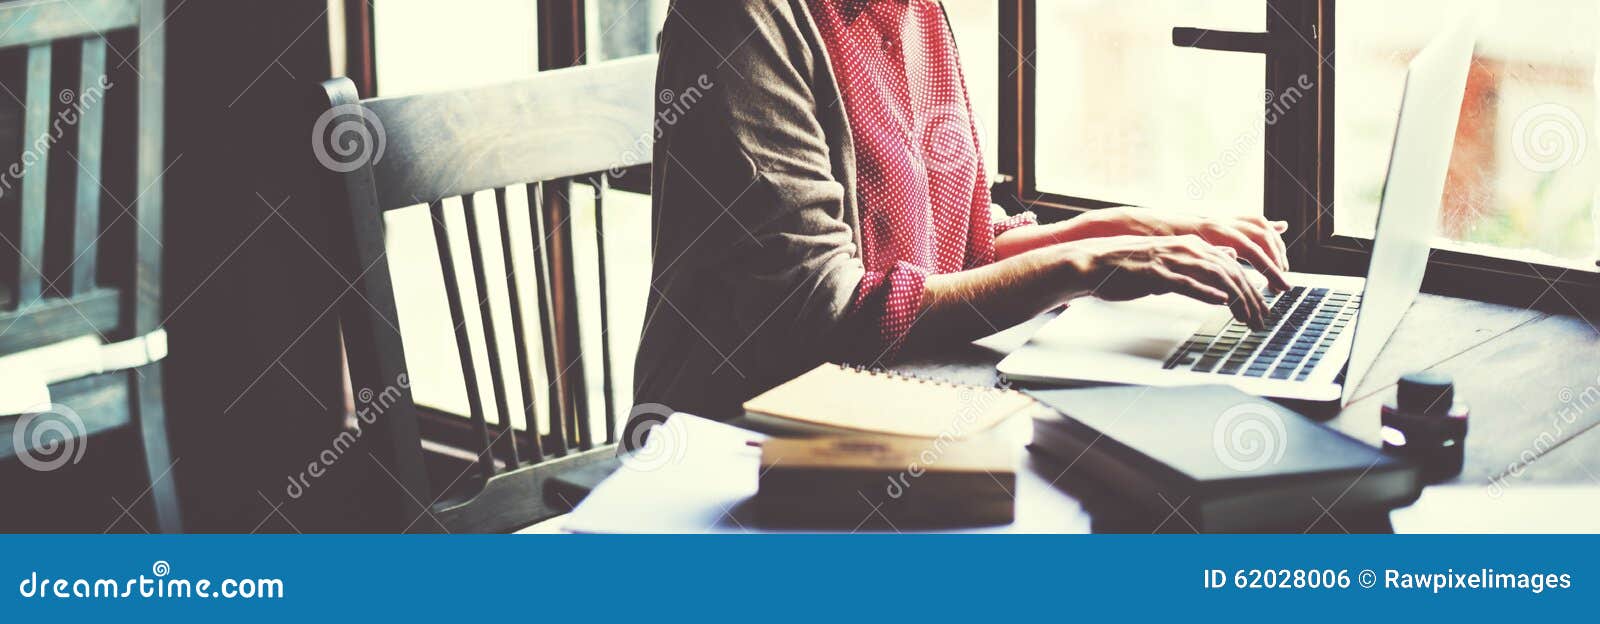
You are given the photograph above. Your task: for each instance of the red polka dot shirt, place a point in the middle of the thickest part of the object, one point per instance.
(921, 180)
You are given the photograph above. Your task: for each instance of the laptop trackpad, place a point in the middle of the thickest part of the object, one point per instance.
(1144, 328)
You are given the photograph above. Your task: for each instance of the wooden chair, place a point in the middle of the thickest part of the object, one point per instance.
(52, 291)
(542, 133)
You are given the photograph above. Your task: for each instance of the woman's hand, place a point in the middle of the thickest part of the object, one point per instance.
(1121, 268)
(1254, 238)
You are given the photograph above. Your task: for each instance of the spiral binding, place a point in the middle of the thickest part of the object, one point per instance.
(921, 379)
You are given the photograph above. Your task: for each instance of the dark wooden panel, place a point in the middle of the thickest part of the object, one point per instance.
(13, 72)
(36, 21)
(36, 143)
(91, 133)
(54, 320)
(450, 144)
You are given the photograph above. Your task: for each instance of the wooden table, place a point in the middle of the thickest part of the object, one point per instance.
(1532, 379)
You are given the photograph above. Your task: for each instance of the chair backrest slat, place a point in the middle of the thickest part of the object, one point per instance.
(91, 133)
(458, 319)
(553, 370)
(519, 334)
(602, 187)
(564, 280)
(41, 21)
(491, 342)
(35, 175)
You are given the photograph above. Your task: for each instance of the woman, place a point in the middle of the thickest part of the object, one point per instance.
(819, 195)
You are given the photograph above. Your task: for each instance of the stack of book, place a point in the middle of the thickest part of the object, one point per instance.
(886, 451)
(1213, 459)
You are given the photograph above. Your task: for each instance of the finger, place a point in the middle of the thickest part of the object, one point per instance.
(1271, 239)
(1192, 288)
(1228, 259)
(1251, 295)
(1274, 235)
(1207, 268)
(1239, 239)
(1266, 239)
(1250, 243)
(1278, 226)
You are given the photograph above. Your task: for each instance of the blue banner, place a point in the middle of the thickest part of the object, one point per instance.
(908, 578)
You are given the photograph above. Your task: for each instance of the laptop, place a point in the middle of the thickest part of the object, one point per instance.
(1317, 327)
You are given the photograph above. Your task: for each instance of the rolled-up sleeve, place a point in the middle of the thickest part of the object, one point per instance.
(1002, 223)
(890, 301)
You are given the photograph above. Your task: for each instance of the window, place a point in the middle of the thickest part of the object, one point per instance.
(1523, 175)
(1124, 116)
(427, 46)
(977, 32)
(1106, 108)
(622, 28)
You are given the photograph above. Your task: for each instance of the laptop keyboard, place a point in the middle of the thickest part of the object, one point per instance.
(1301, 325)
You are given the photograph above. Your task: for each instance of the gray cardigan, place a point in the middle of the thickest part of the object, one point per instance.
(756, 252)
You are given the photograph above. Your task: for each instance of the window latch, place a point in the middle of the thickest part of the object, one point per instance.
(1223, 40)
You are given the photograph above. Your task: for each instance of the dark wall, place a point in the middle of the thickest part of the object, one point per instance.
(253, 382)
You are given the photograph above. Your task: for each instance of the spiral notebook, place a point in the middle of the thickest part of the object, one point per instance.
(834, 399)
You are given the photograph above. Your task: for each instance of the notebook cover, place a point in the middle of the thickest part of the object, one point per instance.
(1209, 435)
(842, 399)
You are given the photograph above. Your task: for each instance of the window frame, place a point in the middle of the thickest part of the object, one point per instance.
(1299, 167)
